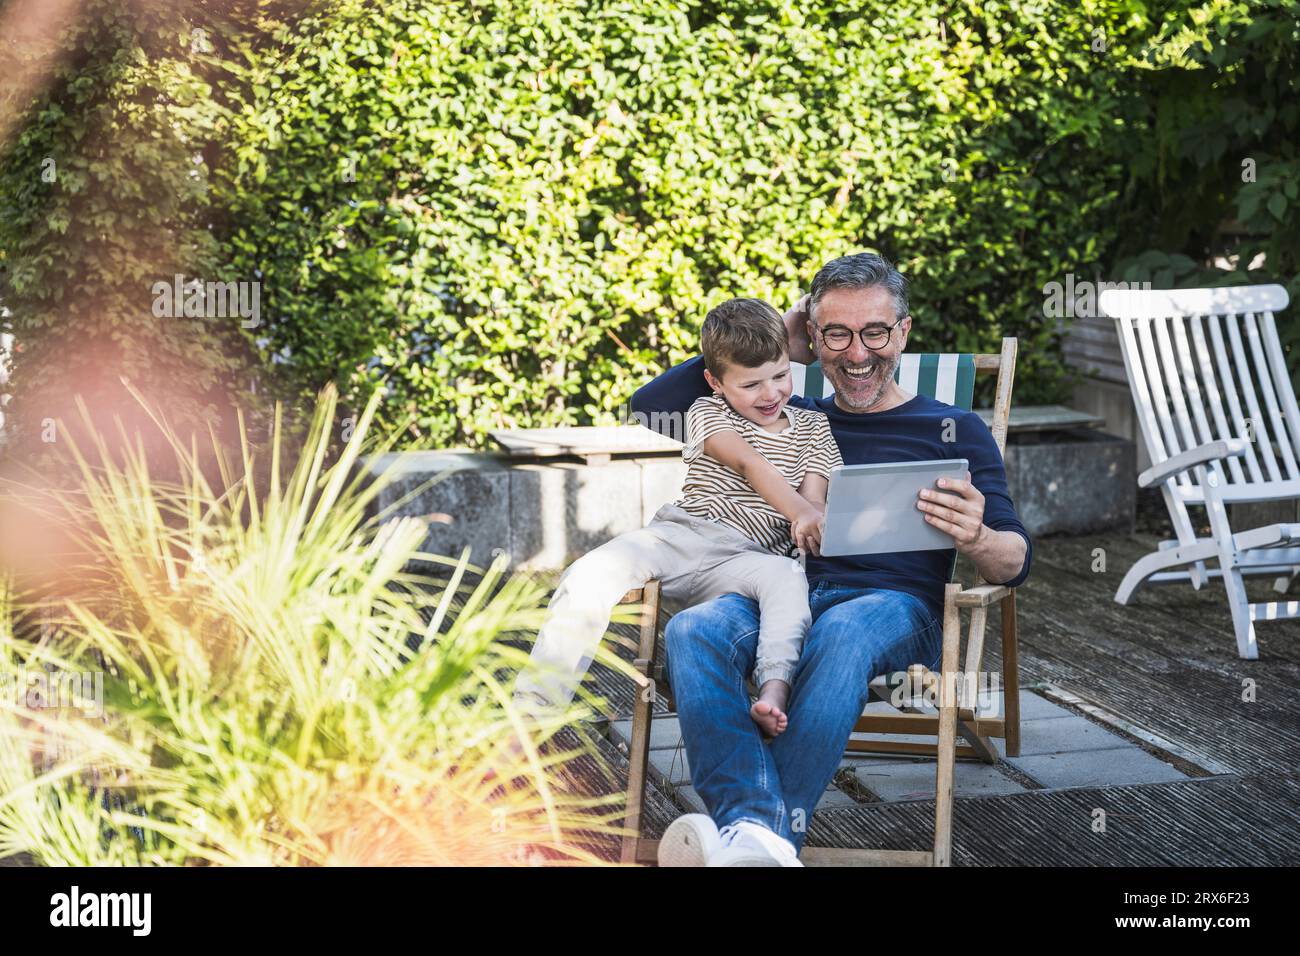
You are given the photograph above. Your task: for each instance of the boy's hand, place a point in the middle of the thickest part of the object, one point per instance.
(806, 530)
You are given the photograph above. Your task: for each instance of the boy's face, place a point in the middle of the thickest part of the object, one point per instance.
(757, 394)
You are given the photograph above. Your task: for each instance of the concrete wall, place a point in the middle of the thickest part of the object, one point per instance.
(543, 515)
(1075, 482)
(1114, 402)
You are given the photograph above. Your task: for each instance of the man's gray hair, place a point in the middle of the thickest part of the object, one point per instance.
(864, 270)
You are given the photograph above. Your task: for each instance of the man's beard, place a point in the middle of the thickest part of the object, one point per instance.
(881, 375)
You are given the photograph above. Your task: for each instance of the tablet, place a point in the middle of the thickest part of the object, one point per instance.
(871, 509)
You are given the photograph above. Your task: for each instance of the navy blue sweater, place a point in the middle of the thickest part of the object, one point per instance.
(914, 431)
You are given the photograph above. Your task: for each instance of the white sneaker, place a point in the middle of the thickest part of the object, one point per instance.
(748, 844)
(689, 841)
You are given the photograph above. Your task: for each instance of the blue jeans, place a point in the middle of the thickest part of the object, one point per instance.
(856, 634)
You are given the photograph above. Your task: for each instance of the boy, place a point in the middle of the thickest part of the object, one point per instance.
(755, 490)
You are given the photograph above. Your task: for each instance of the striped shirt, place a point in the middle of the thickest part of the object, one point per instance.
(715, 492)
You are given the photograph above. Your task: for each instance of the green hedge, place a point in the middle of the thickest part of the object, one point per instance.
(101, 197)
(1215, 166)
(513, 213)
(548, 197)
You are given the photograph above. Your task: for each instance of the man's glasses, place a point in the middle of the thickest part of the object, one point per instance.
(838, 338)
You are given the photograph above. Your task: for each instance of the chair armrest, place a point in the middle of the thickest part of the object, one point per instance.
(1184, 461)
(982, 595)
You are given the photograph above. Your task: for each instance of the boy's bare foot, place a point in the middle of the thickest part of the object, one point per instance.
(769, 710)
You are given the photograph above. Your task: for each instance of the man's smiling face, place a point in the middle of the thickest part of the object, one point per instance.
(863, 378)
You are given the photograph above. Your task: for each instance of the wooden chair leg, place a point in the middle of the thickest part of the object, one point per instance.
(982, 745)
(638, 760)
(946, 761)
(642, 714)
(974, 655)
(1010, 677)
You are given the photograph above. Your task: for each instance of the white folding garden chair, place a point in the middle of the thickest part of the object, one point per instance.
(1218, 414)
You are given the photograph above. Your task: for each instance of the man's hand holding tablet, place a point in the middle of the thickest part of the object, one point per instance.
(956, 508)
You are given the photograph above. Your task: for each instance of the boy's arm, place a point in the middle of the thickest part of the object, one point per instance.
(824, 457)
(813, 488)
(741, 457)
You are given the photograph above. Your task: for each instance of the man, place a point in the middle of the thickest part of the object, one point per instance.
(872, 614)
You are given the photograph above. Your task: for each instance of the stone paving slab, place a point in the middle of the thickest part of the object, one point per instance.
(671, 765)
(835, 797)
(1121, 766)
(1058, 735)
(856, 759)
(1032, 706)
(664, 732)
(691, 799)
(914, 780)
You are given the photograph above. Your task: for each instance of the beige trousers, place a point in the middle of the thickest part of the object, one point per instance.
(696, 560)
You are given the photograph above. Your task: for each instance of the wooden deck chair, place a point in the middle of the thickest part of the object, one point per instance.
(1218, 415)
(949, 378)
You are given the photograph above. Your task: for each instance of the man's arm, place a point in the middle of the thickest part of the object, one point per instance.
(729, 448)
(1001, 556)
(978, 512)
(796, 332)
(957, 507)
(661, 403)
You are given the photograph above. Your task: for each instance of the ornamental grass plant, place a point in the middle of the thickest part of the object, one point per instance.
(268, 679)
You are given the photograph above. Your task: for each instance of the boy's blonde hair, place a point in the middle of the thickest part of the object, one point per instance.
(745, 332)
